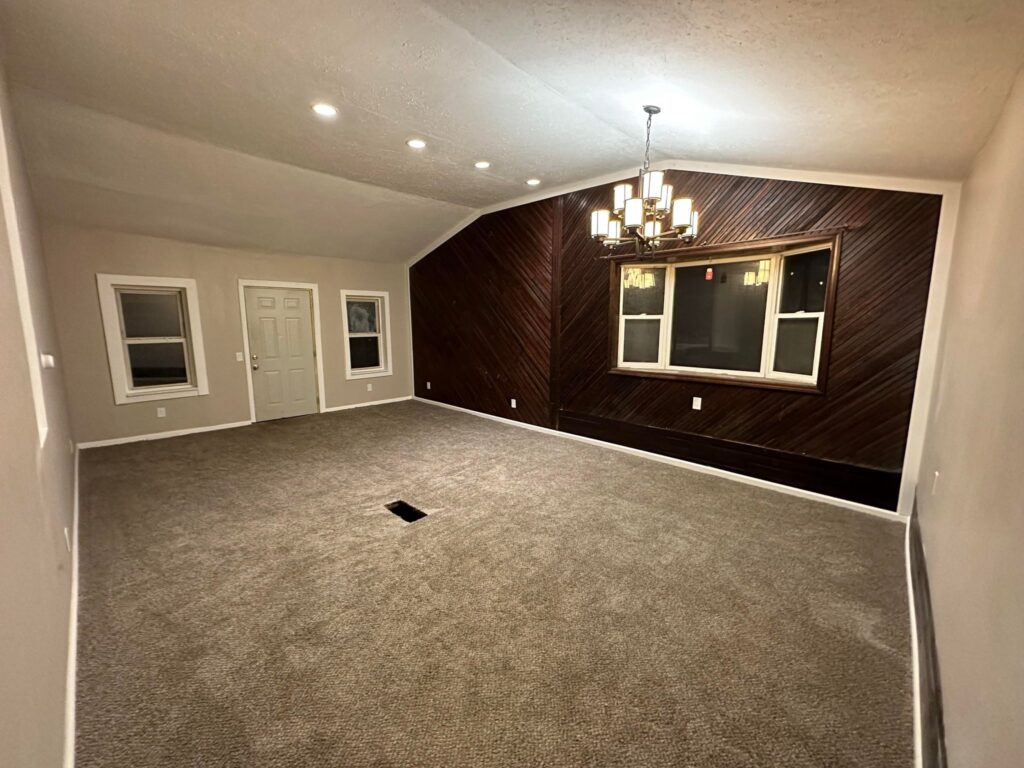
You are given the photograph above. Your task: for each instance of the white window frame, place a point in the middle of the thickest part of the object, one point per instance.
(383, 333)
(117, 346)
(766, 371)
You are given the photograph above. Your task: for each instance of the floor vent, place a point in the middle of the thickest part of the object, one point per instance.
(407, 512)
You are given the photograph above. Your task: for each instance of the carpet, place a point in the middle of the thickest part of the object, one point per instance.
(247, 600)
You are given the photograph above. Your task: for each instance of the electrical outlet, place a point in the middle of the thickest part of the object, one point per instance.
(240, 357)
(67, 539)
(161, 412)
(369, 387)
(513, 402)
(697, 403)
(428, 385)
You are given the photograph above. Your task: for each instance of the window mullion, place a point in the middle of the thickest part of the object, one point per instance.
(667, 309)
(771, 315)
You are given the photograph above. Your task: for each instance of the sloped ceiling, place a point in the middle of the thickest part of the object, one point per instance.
(191, 119)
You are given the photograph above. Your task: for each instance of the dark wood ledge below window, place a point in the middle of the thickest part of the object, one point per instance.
(732, 381)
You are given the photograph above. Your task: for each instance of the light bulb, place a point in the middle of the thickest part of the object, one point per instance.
(325, 110)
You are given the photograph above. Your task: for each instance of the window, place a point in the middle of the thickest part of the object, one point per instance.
(154, 342)
(367, 322)
(740, 317)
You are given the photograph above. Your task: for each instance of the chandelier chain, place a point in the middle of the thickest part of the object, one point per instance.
(647, 146)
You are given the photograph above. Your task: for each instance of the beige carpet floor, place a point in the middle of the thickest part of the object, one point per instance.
(246, 600)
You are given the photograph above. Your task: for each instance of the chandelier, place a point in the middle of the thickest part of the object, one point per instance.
(640, 221)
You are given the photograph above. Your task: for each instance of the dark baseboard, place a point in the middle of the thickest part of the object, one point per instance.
(933, 737)
(876, 487)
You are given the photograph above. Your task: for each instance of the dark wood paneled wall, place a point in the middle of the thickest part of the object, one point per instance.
(482, 315)
(884, 272)
(516, 305)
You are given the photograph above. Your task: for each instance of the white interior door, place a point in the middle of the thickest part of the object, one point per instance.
(281, 351)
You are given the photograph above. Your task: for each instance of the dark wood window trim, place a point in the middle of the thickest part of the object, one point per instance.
(769, 246)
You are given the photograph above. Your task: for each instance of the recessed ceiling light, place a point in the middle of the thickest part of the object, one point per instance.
(533, 182)
(325, 110)
(482, 164)
(416, 143)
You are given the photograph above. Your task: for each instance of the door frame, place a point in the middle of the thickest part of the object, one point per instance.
(314, 290)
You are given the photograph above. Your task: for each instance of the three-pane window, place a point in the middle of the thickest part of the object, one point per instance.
(735, 317)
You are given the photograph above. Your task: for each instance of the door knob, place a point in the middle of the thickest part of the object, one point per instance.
(255, 366)
(255, 357)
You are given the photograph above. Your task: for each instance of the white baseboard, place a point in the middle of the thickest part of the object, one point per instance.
(866, 508)
(72, 663)
(160, 435)
(364, 405)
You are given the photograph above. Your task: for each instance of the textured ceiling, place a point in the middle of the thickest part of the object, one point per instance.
(92, 169)
(547, 89)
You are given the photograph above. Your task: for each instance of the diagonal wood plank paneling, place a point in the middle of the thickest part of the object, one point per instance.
(483, 319)
(481, 315)
(884, 275)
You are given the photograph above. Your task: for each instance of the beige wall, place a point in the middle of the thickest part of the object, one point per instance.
(973, 521)
(74, 257)
(36, 489)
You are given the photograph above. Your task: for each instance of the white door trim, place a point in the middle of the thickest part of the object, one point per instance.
(314, 290)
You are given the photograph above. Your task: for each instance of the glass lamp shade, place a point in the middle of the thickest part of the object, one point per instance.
(599, 224)
(681, 211)
(693, 223)
(652, 229)
(665, 204)
(614, 229)
(634, 213)
(653, 182)
(620, 195)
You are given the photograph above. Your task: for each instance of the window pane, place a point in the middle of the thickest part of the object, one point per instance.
(794, 345)
(803, 281)
(640, 341)
(155, 365)
(362, 317)
(718, 316)
(364, 352)
(151, 314)
(643, 290)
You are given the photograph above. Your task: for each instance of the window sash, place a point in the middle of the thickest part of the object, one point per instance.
(129, 341)
(133, 387)
(380, 353)
(772, 317)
